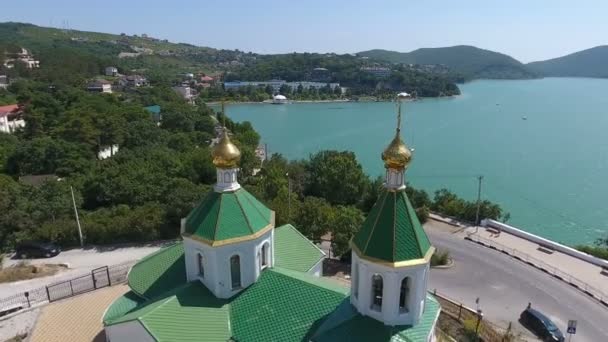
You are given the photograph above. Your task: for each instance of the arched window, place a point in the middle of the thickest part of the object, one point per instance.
(404, 294)
(200, 264)
(235, 271)
(377, 288)
(264, 256)
(226, 177)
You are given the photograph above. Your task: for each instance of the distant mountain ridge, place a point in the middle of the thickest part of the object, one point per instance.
(586, 63)
(470, 61)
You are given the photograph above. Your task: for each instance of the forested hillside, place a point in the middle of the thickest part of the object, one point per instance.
(469, 61)
(587, 63)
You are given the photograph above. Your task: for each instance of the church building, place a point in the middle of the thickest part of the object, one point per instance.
(237, 277)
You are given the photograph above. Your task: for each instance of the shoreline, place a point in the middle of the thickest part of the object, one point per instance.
(217, 103)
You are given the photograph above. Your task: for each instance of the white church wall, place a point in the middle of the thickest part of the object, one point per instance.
(128, 331)
(391, 279)
(216, 262)
(317, 270)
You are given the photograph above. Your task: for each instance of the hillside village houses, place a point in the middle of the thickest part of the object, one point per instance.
(100, 86)
(111, 71)
(11, 118)
(132, 81)
(234, 276)
(186, 92)
(24, 57)
(3, 81)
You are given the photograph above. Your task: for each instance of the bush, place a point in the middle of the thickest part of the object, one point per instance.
(423, 214)
(596, 251)
(440, 258)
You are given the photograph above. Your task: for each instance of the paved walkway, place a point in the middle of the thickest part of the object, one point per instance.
(77, 318)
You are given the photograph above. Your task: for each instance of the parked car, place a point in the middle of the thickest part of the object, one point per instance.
(36, 249)
(541, 325)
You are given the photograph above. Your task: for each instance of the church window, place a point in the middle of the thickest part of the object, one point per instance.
(377, 288)
(200, 264)
(404, 294)
(235, 271)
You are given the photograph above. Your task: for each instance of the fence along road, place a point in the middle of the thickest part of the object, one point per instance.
(98, 278)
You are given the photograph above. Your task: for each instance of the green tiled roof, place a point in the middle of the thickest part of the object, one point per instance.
(228, 215)
(122, 305)
(346, 324)
(391, 232)
(158, 272)
(294, 251)
(282, 305)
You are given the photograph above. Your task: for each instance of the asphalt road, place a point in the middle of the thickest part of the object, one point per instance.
(505, 286)
(80, 261)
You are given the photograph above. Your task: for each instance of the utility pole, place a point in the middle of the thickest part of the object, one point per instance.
(77, 220)
(288, 197)
(479, 179)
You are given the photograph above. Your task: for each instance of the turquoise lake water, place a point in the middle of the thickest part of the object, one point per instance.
(549, 171)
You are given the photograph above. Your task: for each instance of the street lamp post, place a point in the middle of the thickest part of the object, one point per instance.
(479, 178)
(288, 197)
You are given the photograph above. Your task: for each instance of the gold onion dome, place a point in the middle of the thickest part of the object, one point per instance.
(225, 154)
(396, 155)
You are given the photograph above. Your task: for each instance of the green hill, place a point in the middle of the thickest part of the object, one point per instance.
(73, 57)
(587, 63)
(469, 61)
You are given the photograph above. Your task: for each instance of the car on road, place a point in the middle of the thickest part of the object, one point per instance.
(541, 325)
(36, 249)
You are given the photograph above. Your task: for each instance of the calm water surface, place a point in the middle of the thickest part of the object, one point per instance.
(549, 171)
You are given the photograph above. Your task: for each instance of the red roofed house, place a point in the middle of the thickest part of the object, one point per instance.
(10, 118)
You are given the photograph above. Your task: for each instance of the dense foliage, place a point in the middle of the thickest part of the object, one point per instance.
(587, 63)
(141, 193)
(468, 61)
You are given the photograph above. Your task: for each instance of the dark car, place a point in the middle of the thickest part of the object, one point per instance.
(541, 325)
(36, 249)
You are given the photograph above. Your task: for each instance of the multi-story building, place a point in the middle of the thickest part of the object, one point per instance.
(377, 71)
(277, 84)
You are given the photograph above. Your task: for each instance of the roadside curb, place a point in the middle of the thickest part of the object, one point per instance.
(604, 302)
(450, 264)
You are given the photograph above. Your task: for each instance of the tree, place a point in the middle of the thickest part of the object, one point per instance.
(314, 218)
(15, 218)
(345, 222)
(337, 177)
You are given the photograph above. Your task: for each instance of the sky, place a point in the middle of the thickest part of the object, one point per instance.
(527, 30)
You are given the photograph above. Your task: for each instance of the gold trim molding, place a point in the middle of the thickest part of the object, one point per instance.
(231, 241)
(414, 262)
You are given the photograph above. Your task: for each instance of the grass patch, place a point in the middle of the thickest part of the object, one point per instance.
(24, 271)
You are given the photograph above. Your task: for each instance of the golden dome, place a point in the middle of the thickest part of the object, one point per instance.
(225, 154)
(396, 155)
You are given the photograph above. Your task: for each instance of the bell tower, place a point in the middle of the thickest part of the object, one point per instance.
(391, 253)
